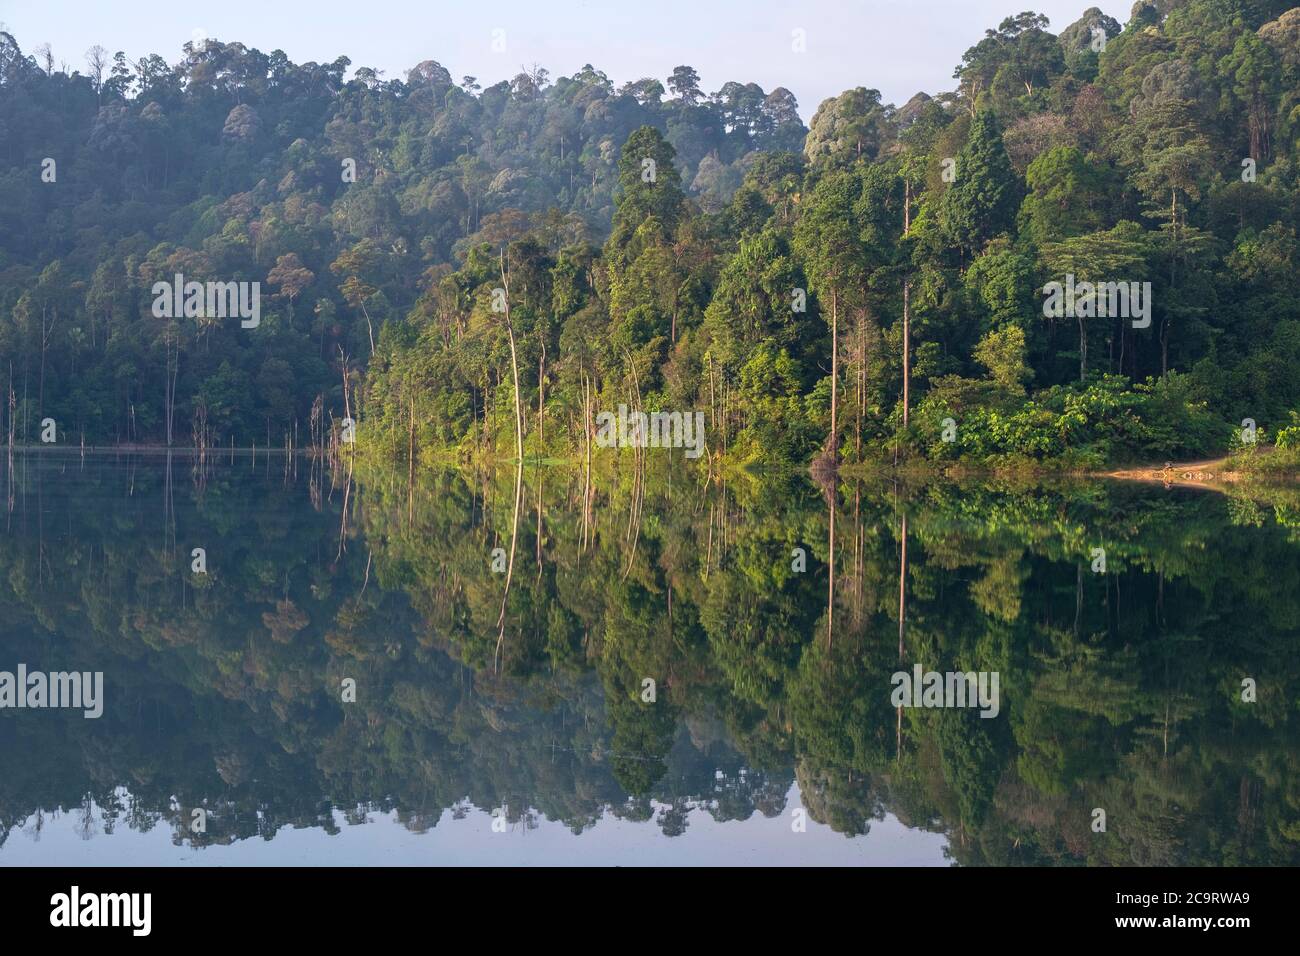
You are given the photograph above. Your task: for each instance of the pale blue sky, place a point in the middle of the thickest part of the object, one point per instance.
(382, 841)
(896, 46)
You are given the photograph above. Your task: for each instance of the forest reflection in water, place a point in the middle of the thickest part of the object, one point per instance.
(1120, 689)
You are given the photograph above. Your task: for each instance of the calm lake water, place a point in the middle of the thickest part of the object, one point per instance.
(333, 679)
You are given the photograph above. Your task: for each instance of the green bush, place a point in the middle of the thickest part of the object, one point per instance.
(1102, 421)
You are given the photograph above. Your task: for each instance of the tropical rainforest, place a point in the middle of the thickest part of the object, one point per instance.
(457, 273)
(473, 269)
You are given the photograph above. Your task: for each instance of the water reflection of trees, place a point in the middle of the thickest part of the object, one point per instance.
(1119, 690)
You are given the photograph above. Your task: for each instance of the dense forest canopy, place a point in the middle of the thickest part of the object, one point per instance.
(855, 284)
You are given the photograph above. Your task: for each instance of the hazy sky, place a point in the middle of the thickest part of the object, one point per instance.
(896, 46)
(382, 841)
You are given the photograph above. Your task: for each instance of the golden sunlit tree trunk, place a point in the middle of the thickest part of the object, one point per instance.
(907, 308)
(835, 377)
(519, 467)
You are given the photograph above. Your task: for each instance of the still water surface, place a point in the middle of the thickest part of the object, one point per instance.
(528, 737)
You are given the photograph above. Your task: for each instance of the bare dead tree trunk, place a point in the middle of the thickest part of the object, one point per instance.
(410, 441)
(907, 308)
(541, 398)
(835, 377)
(343, 364)
(370, 328)
(514, 362)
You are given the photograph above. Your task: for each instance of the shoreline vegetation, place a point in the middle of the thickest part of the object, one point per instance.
(461, 273)
(1264, 467)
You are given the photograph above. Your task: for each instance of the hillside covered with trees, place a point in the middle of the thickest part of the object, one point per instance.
(871, 284)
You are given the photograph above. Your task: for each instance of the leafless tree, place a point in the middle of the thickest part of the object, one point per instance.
(46, 55)
(97, 60)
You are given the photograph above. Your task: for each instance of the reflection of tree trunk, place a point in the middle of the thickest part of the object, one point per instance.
(902, 627)
(586, 474)
(1123, 340)
(1160, 598)
(1083, 350)
(541, 487)
(1247, 801)
(859, 544)
(1166, 734)
(638, 480)
(343, 513)
(1078, 598)
(1119, 611)
(169, 510)
(708, 552)
(586, 487)
(510, 565)
(830, 594)
(902, 588)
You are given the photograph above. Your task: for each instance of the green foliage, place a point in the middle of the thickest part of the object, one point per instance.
(1289, 436)
(1102, 421)
(982, 202)
(667, 248)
